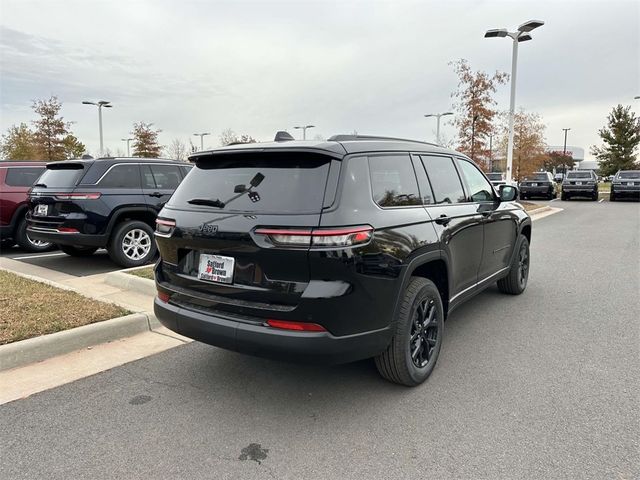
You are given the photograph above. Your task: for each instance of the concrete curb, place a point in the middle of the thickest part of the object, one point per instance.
(40, 348)
(131, 282)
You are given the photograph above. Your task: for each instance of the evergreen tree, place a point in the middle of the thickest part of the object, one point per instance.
(145, 140)
(621, 138)
(73, 148)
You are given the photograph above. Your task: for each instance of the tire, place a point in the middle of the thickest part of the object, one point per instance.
(516, 280)
(523, 197)
(420, 314)
(77, 251)
(132, 244)
(27, 243)
(612, 197)
(594, 197)
(564, 197)
(6, 244)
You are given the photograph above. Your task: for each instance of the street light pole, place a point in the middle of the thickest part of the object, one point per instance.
(201, 135)
(304, 130)
(438, 116)
(99, 104)
(564, 149)
(521, 35)
(490, 153)
(127, 140)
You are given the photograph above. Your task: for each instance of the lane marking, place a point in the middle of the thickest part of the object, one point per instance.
(601, 200)
(39, 256)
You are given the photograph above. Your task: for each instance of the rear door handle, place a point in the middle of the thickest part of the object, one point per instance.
(443, 220)
(155, 194)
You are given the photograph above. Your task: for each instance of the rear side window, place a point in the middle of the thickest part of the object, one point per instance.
(444, 179)
(166, 176)
(480, 190)
(64, 175)
(393, 181)
(256, 183)
(122, 176)
(23, 176)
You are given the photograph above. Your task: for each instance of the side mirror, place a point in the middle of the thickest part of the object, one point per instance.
(508, 193)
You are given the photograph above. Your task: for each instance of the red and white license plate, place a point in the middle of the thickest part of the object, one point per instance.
(216, 268)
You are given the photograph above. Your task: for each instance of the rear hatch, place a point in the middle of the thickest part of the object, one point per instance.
(216, 254)
(538, 180)
(51, 197)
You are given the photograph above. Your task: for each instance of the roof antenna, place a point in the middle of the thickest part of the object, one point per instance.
(283, 136)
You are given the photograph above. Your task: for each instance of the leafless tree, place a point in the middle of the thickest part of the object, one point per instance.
(178, 150)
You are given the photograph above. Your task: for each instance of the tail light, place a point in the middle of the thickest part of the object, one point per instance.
(164, 227)
(77, 196)
(317, 237)
(297, 326)
(164, 296)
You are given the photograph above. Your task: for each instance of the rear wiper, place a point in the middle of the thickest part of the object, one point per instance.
(40, 185)
(207, 201)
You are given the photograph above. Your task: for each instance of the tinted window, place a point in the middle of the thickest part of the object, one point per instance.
(62, 175)
(624, 174)
(286, 183)
(186, 169)
(122, 176)
(579, 175)
(147, 177)
(538, 177)
(480, 190)
(423, 182)
(444, 179)
(393, 181)
(166, 176)
(23, 176)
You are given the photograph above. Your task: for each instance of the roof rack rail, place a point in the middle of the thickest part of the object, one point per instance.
(346, 138)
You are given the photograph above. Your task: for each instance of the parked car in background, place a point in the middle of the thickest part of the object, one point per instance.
(335, 251)
(579, 183)
(540, 184)
(83, 205)
(16, 179)
(626, 183)
(497, 178)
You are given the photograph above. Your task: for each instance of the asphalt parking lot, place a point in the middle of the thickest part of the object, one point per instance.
(99, 262)
(544, 385)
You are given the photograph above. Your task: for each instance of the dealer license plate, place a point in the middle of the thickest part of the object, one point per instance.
(41, 210)
(534, 184)
(216, 268)
(578, 183)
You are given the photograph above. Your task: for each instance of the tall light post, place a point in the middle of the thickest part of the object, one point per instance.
(127, 140)
(438, 116)
(304, 130)
(99, 104)
(564, 149)
(521, 35)
(201, 135)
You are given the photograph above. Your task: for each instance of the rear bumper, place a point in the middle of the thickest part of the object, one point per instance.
(625, 191)
(264, 341)
(543, 190)
(586, 190)
(61, 238)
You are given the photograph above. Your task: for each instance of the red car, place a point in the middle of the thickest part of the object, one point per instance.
(16, 178)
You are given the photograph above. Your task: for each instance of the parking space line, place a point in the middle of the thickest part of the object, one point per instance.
(601, 200)
(26, 257)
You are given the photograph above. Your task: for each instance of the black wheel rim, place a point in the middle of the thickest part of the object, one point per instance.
(424, 333)
(523, 266)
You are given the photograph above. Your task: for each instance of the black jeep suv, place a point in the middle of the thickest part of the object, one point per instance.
(83, 205)
(335, 251)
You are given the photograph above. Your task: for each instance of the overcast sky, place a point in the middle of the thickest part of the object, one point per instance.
(258, 67)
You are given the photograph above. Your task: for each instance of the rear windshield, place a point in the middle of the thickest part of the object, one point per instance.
(539, 177)
(579, 175)
(629, 174)
(61, 176)
(494, 176)
(255, 183)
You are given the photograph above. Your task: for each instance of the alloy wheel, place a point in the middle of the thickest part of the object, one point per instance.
(523, 266)
(136, 244)
(38, 243)
(424, 333)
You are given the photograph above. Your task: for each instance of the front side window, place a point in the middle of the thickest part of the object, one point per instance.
(122, 176)
(480, 190)
(23, 176)
(393, 181)
(444, 179)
